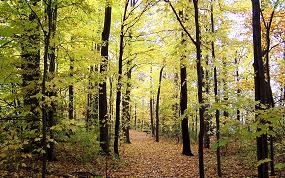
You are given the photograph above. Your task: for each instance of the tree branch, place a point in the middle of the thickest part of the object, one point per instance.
(181, 24)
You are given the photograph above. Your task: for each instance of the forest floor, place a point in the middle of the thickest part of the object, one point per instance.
(145, 158)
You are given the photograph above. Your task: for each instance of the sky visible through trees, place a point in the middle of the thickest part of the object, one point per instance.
(142, 88)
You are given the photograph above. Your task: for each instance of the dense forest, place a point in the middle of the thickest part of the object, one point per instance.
(142, 88)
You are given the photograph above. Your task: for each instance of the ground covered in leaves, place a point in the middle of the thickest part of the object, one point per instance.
(142, 158)
(146, 158)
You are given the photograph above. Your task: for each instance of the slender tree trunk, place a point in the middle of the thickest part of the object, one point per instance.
(135, 124)
(89, 98)
(225, 86)
(126, 105)
(103, 116)
(111, 103)
(151, 105)
(217, 113)
(52, 110)
(157, 105)
(71, 91)
(118, 94)
(186, 150)
(47, 36)
(207, 115)
(267, 69)
(200, 91)
(238, 89)
(259, 83)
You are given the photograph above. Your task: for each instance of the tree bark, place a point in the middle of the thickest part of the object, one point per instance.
(200, 91)
(259, 84)
(267, 69)
(238, 89)
(118, 93)
(217, 113)
(103, 116)
(157, 105)
(207, 115)
(186, 149)
(52, 93)
(225, 87)
(135, 124)
(30, 54)
(47, 37)
(151, 105)
(126, 105)
(71, 91)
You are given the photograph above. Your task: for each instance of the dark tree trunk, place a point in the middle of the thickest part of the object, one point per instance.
(111, 103)
(186, 150)
(52, 93)
(30, 54)
(259, 84)
(217, 113)
(126, 105)
(207, 115)
(151, 105)
(103, 116)
(118, 94)
(47, 36)
(157, 105)
(135, 124)
(238, 89)
(271, 101)
(200, 92)
(225, 87)
(89, 98)
(71, 91)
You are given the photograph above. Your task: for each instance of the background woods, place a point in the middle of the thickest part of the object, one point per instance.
(184, 88)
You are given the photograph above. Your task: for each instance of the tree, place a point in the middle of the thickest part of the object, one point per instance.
(30, 54)
(186, 150)
(157, 105)
(103, 117)
(199, 69)
(260, 88)
(119, 85)
(217, 112)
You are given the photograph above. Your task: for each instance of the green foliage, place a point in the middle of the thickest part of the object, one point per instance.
(86, 141)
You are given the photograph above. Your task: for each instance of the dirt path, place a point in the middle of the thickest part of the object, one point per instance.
(147, 158)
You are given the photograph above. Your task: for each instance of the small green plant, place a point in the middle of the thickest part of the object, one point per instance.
(86, 141)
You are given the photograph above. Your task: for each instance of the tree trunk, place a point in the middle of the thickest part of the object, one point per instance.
(225, 87)
(207, 115)
(89, 98)
(259, 84)
(135, 124)
(126, 105)
(217, 113)
(47, 36)
(238, 89)
(71, 91)
(200, 91)
(151, 105)
(157, 105)
(52, 110)
(186, 150)
(267, 69)
(30, 54)
(118, 94)
(111, 103)
(103, 116)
